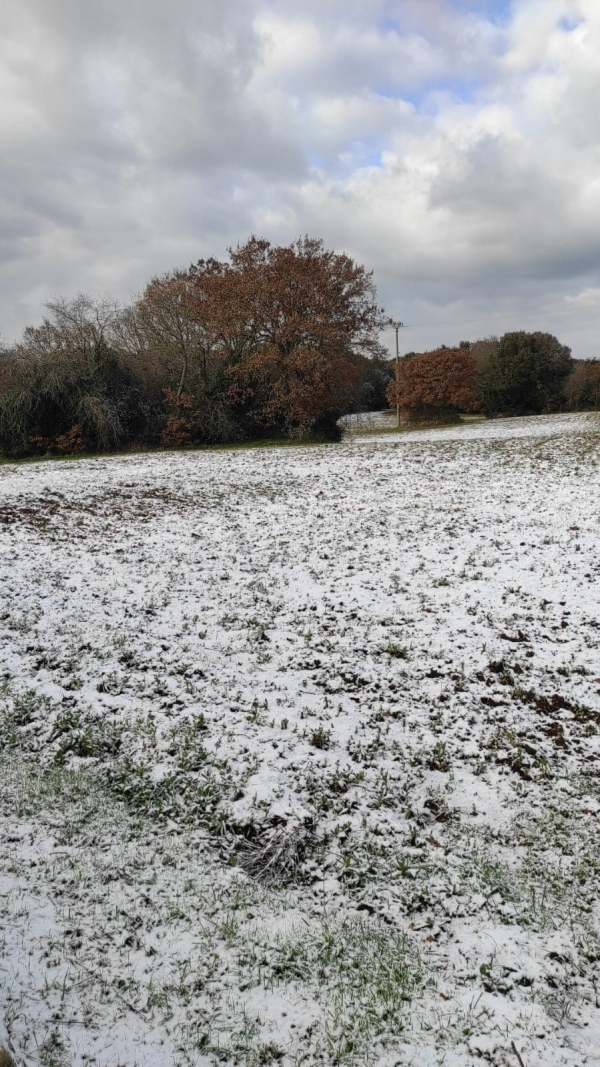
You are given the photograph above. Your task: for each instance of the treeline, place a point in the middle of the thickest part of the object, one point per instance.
(273, 342)
(276, 341)
(517, 374)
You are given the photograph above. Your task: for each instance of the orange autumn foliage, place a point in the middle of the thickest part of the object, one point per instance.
(291, 325)
(444, 380)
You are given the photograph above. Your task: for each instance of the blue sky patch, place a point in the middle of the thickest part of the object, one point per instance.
(568, 23)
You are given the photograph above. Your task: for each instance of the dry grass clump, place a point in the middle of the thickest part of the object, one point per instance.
(275, 856)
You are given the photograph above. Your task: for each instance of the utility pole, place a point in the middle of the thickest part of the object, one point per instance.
(396, 325)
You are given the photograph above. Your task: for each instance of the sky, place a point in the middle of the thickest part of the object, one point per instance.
(451, 146)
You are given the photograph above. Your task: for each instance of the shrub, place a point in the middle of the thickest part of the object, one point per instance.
(65, 387)
(440, 382)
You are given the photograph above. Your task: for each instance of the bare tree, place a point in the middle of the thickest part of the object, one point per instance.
(83, 324)
(64, 382)
(166, 328)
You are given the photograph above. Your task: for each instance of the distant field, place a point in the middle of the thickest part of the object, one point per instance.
(300, 752)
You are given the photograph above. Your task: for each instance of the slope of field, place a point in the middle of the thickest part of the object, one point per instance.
(300, 753)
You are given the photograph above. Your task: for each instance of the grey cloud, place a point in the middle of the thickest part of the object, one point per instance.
(118, 119)
(168, 82)
(141, 135)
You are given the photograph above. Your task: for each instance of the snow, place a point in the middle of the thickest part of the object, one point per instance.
(291, 734)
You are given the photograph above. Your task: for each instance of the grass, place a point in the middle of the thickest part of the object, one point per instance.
(356, 975)
(362, 978)
(348, 915)
(191, 792)
(235, 446)
(364, 974)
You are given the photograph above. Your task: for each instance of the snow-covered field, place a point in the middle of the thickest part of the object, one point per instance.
(301, 753)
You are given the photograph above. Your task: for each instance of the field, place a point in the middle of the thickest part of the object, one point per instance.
(300, 753)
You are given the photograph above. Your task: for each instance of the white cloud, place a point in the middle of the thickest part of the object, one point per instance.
(588, 298)
(454, 152)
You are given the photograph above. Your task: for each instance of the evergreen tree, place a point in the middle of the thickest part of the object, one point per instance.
(525, 374)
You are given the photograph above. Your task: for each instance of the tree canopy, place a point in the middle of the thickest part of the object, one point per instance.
(517, 374)
(272, 341)
(440, 382)
(524, 374)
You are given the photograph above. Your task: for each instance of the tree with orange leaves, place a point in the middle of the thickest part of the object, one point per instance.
(440, 382)
(582, 387)
(290, 324)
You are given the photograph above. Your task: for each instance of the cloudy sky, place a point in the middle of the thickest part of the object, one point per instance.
(453, 146)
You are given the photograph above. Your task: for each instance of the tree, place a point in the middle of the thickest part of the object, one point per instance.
(273, 341)
(524, 374)
(582, 387)
(168, 331)
(292, 324)
(440, 382)
(82, 325)
(483, 349)
(370, 391)
(65, 387)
